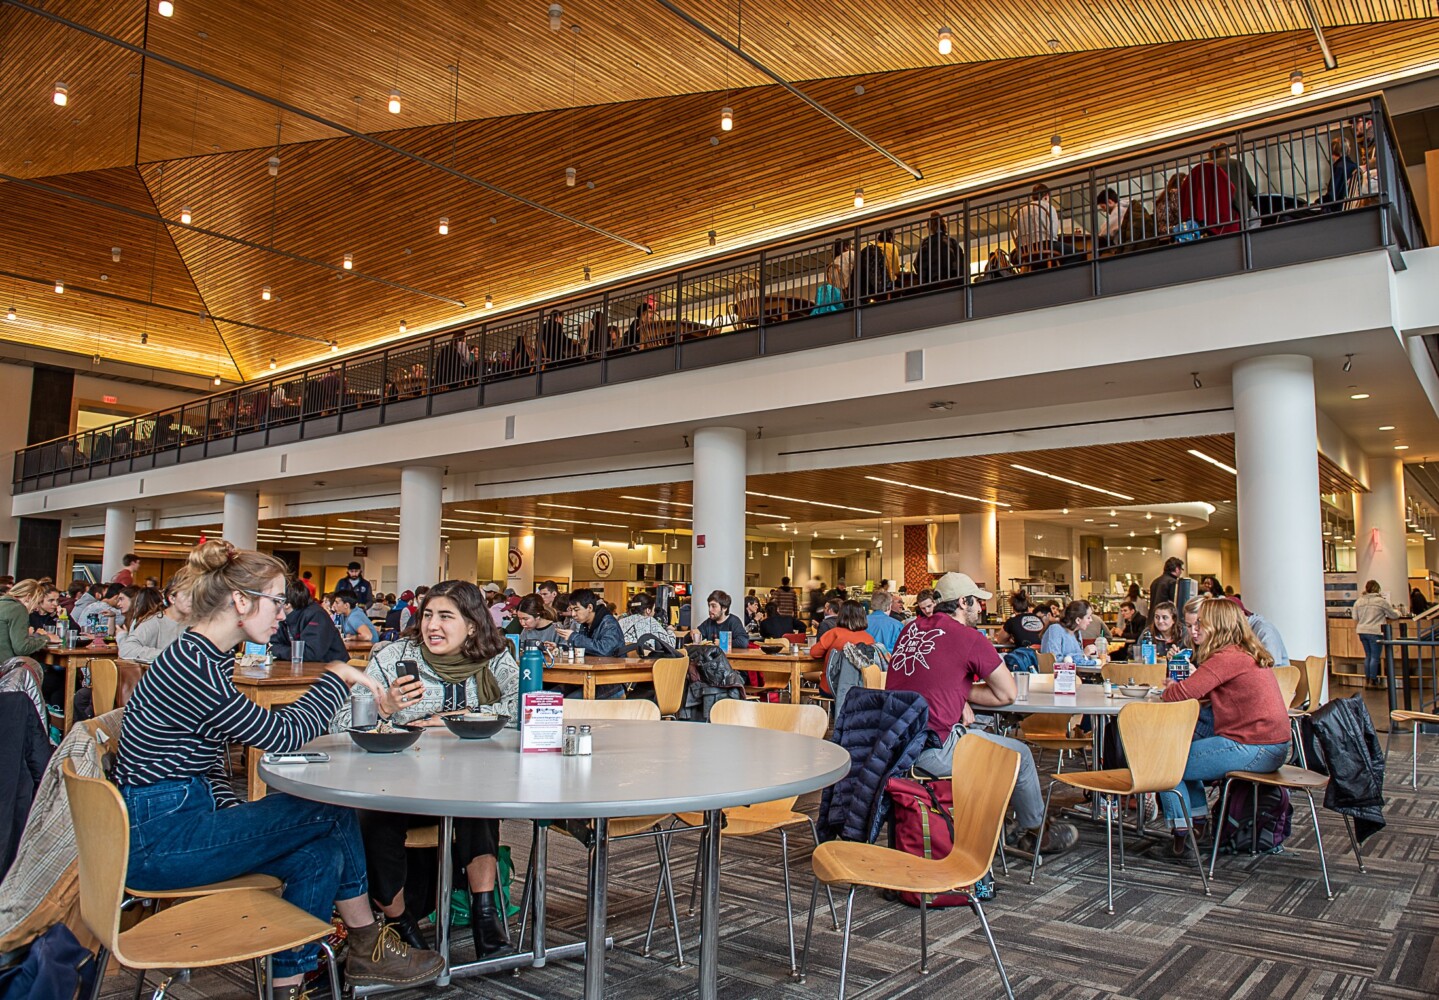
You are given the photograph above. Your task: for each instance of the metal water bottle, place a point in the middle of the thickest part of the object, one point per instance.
(532, 667)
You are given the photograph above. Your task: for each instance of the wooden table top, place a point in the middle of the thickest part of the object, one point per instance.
(92, 650)
(279, 673)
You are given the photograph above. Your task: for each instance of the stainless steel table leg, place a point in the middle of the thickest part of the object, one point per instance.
(595, 914)
(538, 858)
(709, 908)
(445, 882)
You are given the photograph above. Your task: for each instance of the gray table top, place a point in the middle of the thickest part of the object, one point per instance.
(637, 769)
(1089, 699)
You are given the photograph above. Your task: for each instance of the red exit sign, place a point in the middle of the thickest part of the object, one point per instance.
(109, 399)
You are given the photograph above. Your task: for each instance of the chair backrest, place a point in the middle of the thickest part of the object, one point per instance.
(796, 637)
(806, 720)
(1288, 678)
(1043, 683)
(873, 677)
(983, 778)
(1046, 663)
(102, 841)
(670, 673)
(1045, 725)
(1311, 682)
(612, 708)
(1152, 674)
(1156, 738)
(104, 681)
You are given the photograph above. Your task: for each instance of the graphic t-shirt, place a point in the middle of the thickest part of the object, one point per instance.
(1025, 629)
(941, 659)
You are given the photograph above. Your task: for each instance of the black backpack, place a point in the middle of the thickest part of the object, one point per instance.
(651, 647)
(1236, 835)
(871, 273)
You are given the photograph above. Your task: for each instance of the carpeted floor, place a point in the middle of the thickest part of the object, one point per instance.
(1266, 933)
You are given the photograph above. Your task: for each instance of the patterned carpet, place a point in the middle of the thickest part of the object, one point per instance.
(1266, 932)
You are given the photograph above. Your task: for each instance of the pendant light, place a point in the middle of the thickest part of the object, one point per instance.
(185, 215)
(556, 13)
(569, 176)
(265, 293)
(726, 119)
(59, 288)
(115, 255)
(273, 165)
(165, 8)
(394, 102)
(489, 302)
(404, 327)
(1056, 145)
(273, 364)
(1296, 83)
(946, 41)
(595, 543)
(61, 95)
(349, 262)
(859, 197)
(215, 380)
(10, 316)
(444, 225)
(334, 347)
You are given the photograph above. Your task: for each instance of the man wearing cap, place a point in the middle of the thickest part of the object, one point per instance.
(941, 657)
(356, 585)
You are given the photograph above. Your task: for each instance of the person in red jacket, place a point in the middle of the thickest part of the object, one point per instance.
(1251, 721)
(853, 626)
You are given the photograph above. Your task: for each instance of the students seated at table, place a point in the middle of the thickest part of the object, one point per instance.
(830, 616)
(465, 665)
(381, 607)
(775, 624)
(720, 620)
(149, 626)
(1250, 730)
(535, 619)
(752, 612)
(351, 618)
(16, 637)
(941, 656)
(307, 619)
(1165, 630)
(187, 828)
(44, 617)
(103, 612)
(1024, 627)
(641, 620)
(1132, 623)
(592, 627)
(880, 623)
(938, 258)
(1264, 629)
(1065, 637)
(850, 625)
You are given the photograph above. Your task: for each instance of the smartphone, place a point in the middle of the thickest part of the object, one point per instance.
(298, 757)
(409, 668)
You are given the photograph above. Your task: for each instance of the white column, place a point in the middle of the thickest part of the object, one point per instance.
(1380, 532)
(420, 510)
(1176, 543)
(241, 519)
(799, 572)
(119, 540)
(1278, 493)
(719, 481)
(978, 537)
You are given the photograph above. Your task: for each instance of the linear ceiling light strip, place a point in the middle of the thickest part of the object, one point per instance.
(327, 123)
(715, 36)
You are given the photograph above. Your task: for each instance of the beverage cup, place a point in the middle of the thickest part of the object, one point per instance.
(725, 639)
(297, 656)
(1021, 685)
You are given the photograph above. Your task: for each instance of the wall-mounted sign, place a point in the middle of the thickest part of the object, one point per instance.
(699, 541)
(603, 563)
(361, 550)
(517, 561)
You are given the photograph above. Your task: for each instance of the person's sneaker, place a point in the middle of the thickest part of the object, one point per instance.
(378, 957)
(1058, 838)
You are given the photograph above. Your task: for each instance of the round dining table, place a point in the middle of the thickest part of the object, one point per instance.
(636, 769)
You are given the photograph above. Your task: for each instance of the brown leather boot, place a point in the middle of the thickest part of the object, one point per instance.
(378, 957)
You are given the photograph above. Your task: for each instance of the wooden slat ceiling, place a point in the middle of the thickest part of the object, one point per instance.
(1167, 474)
(641, 134)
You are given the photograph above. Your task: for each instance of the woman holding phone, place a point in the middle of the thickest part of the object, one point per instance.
(452, 659)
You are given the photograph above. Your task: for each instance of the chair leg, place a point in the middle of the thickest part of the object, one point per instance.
(334, 966)
(1194, 842)
(1218, 824)
(1039, 837)
(102, 959)
(993, 948)
(788, 902)
(1003, 861)
(923, 934)
(655, 905)
(529, 884)
(833, 912)
(1319, 842)
(1119, 821)
(695, 881)
(1354, 843)
(1414, 759)
(809, 927)
(1108, 860)
(844, 946)
(163, 989)
(269, 962)
(259, 966)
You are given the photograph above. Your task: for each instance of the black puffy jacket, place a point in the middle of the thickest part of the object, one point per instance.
(1340, 741)
(884, 733)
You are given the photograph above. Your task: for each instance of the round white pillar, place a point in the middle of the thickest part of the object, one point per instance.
(1278, 493)
(119, 540)
(976, 555)
(421, 491)
(1380, 532)
(799, 571)
(719, 546)
(241, 519)
(1176, 544)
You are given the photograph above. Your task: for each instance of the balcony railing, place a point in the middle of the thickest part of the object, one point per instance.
(1319, 183)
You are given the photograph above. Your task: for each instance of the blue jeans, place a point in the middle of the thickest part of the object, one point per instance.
(1026, 798)
(1371, 655)
(178, 838)
(1212, 758)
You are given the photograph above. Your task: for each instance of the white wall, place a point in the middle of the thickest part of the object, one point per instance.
(144, 397)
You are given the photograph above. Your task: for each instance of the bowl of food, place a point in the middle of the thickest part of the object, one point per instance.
(475, 725)
(1134, 690)
(386, 737)
(83, 641)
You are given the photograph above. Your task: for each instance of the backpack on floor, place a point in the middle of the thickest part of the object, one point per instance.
(1236, 836)
(922, 822)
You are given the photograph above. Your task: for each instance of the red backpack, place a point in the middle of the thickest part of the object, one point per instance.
(923, 823)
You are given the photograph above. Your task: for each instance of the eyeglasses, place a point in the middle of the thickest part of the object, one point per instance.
(279, 600)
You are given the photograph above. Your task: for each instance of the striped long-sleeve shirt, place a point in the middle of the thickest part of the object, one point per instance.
(186, 707)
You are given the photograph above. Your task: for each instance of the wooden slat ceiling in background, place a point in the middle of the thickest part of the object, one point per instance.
(645, 142)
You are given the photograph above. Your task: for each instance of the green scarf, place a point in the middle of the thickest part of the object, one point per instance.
(457, 669)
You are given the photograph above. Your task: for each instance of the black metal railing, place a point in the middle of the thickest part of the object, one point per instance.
(1317, 183)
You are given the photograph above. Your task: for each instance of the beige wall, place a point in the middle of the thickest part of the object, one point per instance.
(15, 381)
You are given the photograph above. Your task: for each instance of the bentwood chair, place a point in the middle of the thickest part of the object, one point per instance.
(1156, 738)
(984, 777)
(1415, 720)
(670, 674)
(1150, 674)
(220, 928)
(872, 676)
(104, 681)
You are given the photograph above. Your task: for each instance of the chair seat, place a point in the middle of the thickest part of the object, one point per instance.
(749, 821)
(849, 863)
(1405, 715)
(423, 836)
(218, 930)
(1286, 777)
(262, 883)
(1057, 742)
(1119, 781)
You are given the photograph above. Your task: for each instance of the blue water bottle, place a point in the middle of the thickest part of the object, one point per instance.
(532, 667)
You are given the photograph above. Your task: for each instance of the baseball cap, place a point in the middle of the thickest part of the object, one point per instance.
(956, 586)
(491, 588)
(408, 595)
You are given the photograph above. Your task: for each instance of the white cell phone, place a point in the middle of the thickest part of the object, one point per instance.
(299, 757)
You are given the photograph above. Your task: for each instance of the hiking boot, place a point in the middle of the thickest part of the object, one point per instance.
(1180, 851)
(1058, 838)
(491, 935)
(295, 991)
(409, 930)
(379, 957)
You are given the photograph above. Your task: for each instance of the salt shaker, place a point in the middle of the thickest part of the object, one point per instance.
(585, 744)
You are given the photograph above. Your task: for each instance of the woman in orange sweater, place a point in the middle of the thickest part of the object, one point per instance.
(1251, 721)
(853, 627)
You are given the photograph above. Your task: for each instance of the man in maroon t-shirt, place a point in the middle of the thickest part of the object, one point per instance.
(942, 657)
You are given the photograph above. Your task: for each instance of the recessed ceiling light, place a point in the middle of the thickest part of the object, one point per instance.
(1387, 427)
(1401, 447)
(1359, 395)
(1071, 482)
(1213, 461)
(931, 489)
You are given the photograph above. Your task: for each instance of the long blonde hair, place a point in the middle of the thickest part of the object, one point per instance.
(26, 591)
(1225, 625)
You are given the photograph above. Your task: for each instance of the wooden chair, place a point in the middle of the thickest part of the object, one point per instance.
(1152, 674)
(766, 817)
(983, 779)
(104, 681)
(1046, 663)
(1311, 682)
(1415, 720)
(1295, 779)
(1156, 738)
(633, 709)
(670, 674)
(1288, 678)
(873, 677)
(222, 928)
(1052, 732)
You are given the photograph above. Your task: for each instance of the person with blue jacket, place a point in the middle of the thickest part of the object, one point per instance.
(1063, 637)
(597, 631)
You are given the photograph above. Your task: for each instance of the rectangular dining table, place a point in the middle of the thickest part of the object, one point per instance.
(270, 687)
(71, 660)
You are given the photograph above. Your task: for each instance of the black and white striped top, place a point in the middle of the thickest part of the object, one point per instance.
(186, 707)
